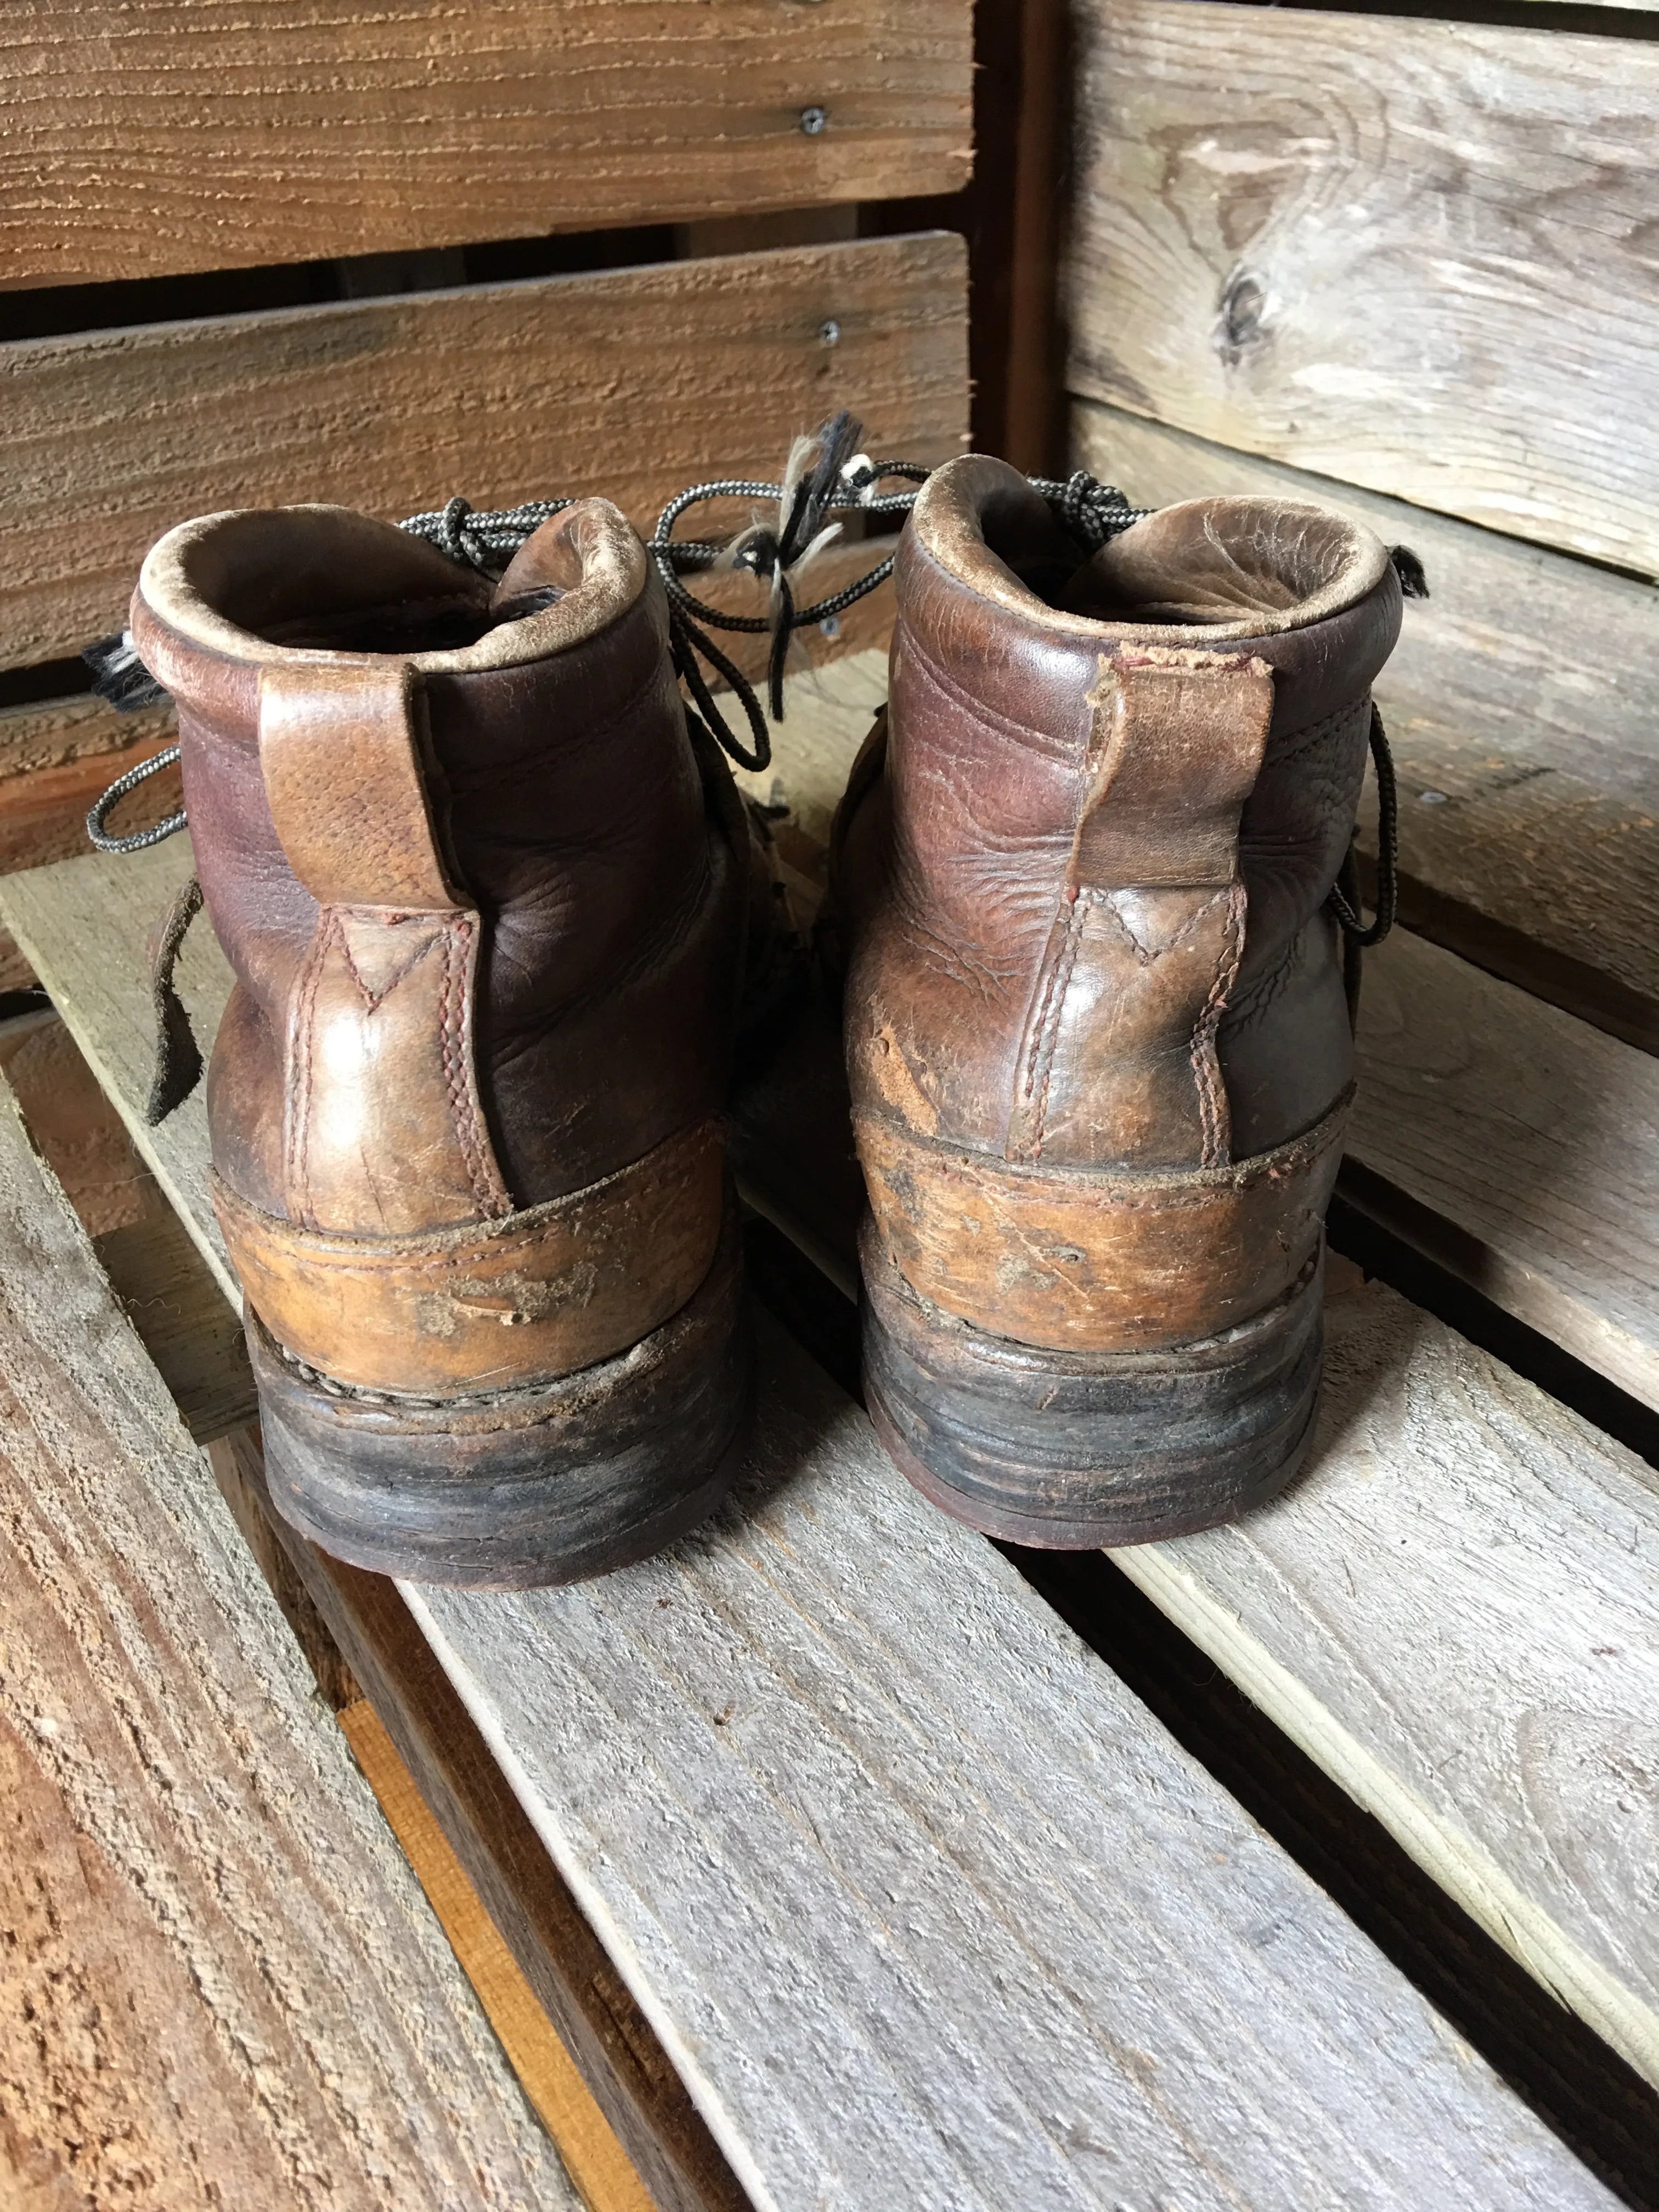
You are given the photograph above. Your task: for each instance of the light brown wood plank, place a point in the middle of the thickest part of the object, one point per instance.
(225, 1986)
(1518, 705)
(634, 383)
(207, 134)
(1406, 253)
(43, 811)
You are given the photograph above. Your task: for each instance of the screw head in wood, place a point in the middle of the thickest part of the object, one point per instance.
(812, 120)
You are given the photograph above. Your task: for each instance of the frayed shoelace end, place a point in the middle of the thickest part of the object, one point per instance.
(119, 676)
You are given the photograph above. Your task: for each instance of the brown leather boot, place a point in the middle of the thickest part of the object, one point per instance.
(486, 903)
(1096, 1033)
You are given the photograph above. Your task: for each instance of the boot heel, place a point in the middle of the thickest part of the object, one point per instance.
(546, 1483)
(1080, 1451)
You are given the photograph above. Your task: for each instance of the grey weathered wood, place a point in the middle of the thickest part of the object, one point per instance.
(926, 1907)
(1519, 703)
(1404, 253)
(918, 1898)
(1535, 1138)
(65, 911)
(224, 1985)
(1455, 1614)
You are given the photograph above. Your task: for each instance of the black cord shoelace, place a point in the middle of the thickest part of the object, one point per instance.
(827, 481)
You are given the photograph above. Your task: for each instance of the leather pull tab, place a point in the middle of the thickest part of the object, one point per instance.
(1176, 745)
(341, 752)
(1118, 1064)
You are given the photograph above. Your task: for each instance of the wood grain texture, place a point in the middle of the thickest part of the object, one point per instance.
(918, 1899)
(1454, 1614)
(362, 1617)
(228, 1986)
(923, 1903)
(1534, 1140)
(205, 134)
(596, 2162)
(54, 763)
(1519, 710)
(632, 384)
(1410, 254)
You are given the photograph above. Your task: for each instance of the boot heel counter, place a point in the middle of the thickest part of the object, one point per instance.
(1117, 1065)
(383, 1131)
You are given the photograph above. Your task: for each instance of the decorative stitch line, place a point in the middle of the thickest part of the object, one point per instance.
(1214, 1119)
(298, 1072)
(1046, 1038)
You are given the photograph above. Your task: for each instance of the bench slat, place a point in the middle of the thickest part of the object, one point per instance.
(1532, 1139)
(234, 1982)
(500, 392)
(209, 134)
(1404, 253)
(1519, 695)
(913, 1891)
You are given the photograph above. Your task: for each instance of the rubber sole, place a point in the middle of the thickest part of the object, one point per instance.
(1072, 1451)
(554, 1483)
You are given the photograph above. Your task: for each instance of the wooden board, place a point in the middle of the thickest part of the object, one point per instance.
(917, 1897)
(596, 2160)
(632, 384)
(209, 134)
(1406, 253)
(361, 1620)
(1519, 711)
(1533, 1142)
(225, 1987)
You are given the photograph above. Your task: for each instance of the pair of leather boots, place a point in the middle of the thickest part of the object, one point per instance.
(490, 891)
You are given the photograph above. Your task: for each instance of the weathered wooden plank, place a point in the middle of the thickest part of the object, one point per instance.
(227, 1987)
(1534, 1140)
(857, 1812)
(916, 1897)
(364, 1618)
(209, 134)
(1406, 253)
(596, 2160)
(635, 383)
(1519, 707)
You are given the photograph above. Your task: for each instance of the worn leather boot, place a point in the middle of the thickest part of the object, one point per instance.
(1096, 1033)
(486, 901)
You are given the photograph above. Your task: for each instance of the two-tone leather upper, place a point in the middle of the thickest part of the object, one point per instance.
(461, 833)
(1086, 899)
